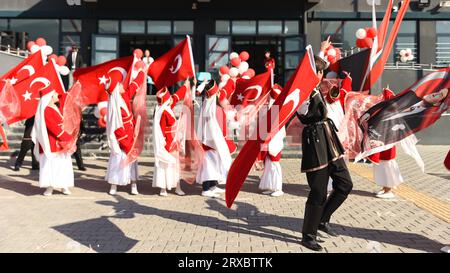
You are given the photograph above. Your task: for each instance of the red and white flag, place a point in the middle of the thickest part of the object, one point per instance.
(174, 66)
(46, 78)
(93, 79)
(296, 91)
(23, 70)
(253, 91)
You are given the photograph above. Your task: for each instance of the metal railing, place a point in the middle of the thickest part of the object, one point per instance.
(14, 51)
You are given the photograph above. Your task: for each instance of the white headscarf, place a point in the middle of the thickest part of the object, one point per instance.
(159, 143)
(39, 134)
(114, 117)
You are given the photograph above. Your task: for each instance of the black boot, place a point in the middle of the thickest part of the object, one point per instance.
(311, 222)
(16, 168)
(334, 201)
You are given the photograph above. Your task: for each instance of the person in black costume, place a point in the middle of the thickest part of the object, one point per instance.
(77, 154)
(322, 159)
(26, 145)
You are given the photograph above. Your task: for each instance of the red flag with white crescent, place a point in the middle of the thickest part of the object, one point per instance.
(93, 79)
(297, 90)
(175, 65)
(253, 91)
(23, 70)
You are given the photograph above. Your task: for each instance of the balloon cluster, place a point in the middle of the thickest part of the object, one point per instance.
(239, 67)
(365, 37)
(41, 44)
(138, 53)
(100, 112)
(406, 55)
(332, 54)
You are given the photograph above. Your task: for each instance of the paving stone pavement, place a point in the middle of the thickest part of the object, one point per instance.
(92, 221)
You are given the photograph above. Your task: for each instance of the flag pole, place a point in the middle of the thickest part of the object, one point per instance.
(191, 55)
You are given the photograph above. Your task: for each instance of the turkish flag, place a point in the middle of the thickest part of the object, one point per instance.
(28, 91)
(23, 70)
(174, 66)
(93, 79)
(253, 91)
(296, 91)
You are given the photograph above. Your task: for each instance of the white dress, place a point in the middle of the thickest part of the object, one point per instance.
(212, 169)
(117, 174)
(55, 171)
(387, 174)
(272, 177)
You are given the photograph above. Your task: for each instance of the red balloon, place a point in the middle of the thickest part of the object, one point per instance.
(250, 72)
(41, 41)
(372, 32)
(139, 65)
(331, 59)
(138, 52)
(101, 122)
(30, 44)
(53, 57)
(61, 60)
(103, 112)
(224, 70)
(338, 54)
(244, 56)
(235, 62)
(364, 43)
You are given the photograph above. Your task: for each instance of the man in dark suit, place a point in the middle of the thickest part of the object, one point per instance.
(74, 61)
(27, 144)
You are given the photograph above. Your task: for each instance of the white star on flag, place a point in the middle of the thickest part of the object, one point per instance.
(27, 95)
(103, 80)
(13, 80)
(240, 97)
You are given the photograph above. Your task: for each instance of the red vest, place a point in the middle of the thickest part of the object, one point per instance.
(54, 122)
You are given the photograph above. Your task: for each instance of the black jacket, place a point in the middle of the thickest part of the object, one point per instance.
(320, 143)
(78, 60)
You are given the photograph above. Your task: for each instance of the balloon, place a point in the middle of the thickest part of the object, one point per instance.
(224, 70)
(53, 57)
(251, 72)
(96, 112)
(338, 54)
(102, 122)
(244, 56)
(332, 52)
(331, 59)
(402, 52)
(234, 72)
(41, 41)
(61, 60)
(372, 32)
(30, 44)
(361, 33)
(103, 110)
(139, 65)
(409, 51)
(411, 57)
(364, 43)
(225, 78)
(404, 59)
(64, 70)
(234, 55)
(236, 62)
(243, 67)
(34, 48)
(138, 53)
(47, 50)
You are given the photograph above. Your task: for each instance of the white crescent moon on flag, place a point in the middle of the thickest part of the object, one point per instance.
(174, 68)
(121, 70)
(258, 88)
(295, 98)
(28, 67)
(43, 80)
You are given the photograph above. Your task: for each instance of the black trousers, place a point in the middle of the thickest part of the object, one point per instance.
(318, 207)
(78, 157)
(25, 146)
(206, 185)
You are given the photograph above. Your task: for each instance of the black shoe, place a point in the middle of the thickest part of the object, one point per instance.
(326, 227)
(35, 168)
(82, 168)
(16, 168)
(310, 242)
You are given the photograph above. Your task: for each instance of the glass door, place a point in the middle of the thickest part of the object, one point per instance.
(104, 48)
(294, 48)
(218, 49)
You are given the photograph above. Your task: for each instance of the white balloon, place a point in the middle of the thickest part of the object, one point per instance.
(234, 72)
(402, 52)
(97, 112)
(233, 55)
(243, 67)
(246, 77)
(47, 50)
(361, 33)
(332, 52)
(64, 70)
(332, 75)
(404, 59)
(410, 57)
(225, 78)
(409, 51)
(34, 48)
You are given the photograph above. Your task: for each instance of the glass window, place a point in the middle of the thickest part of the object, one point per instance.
(443, 43)
(270, 27)
(292, 60)
(159, 27)
(218, 44)
(406, 38)
(68, 41)
(343, 32)
(183, 27)
(291, 28)
(222, 27)
(293, 45)
(72, 25)
(108, 26)
(105, 43)
(101, 57)
(132, 26)
(3, 24)
(244, 27)
(49, 29)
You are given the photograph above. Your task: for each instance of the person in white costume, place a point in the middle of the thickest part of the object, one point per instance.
(212, 132)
